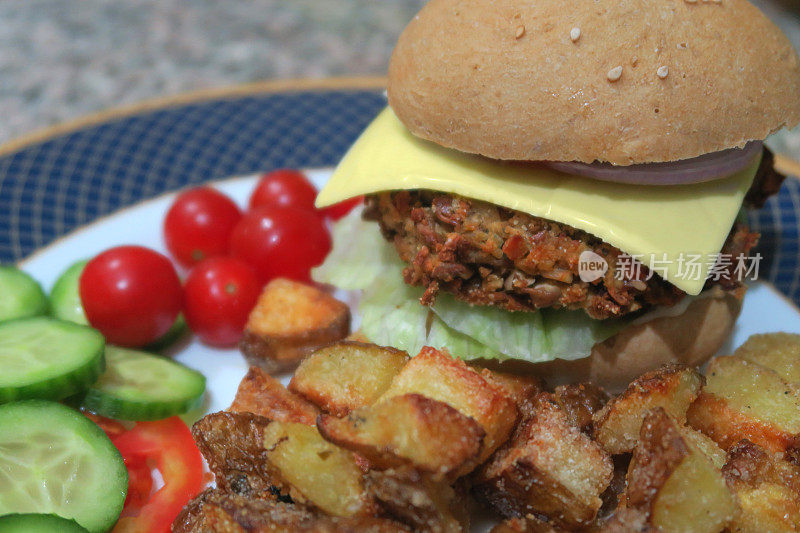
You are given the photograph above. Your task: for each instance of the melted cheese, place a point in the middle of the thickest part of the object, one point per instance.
(663, 222)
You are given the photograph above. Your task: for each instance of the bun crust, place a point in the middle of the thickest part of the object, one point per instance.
(504, 78)
(690, 338)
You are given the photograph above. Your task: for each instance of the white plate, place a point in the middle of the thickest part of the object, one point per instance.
(765, 309)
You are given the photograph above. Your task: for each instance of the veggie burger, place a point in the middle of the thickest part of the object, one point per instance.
(564, 185)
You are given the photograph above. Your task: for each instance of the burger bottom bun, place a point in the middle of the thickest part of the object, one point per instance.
(690, 338)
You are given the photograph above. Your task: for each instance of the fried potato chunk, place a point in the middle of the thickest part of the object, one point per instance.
(580, 402)
(317, 471)
(674, 482)
(222, 512)
(438, 376)
(347, 375)
(779, 352)
(526, 524)
(549, 468)
(522, 389)
(233, 445)
(417, 500)
(261, 394)
(291, 320)
(672, 387)
(744, 400)
(411, 430)
(767, 488)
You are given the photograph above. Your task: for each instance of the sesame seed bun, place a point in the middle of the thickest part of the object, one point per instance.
(622, 81)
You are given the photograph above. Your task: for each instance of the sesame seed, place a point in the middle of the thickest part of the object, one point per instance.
(615, 73)
(520, 32)
(574, 34)
(663, 71)
(691, 1)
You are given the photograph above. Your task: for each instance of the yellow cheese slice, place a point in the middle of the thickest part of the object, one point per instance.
(669, 224)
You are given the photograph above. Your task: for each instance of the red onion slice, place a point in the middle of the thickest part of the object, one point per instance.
(707, 167)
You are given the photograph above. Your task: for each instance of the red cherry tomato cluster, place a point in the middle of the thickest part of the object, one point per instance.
(133, 294)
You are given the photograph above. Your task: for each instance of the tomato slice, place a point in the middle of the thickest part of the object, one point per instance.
(169, 445)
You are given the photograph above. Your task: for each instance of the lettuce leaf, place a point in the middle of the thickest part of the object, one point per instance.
(392, 315)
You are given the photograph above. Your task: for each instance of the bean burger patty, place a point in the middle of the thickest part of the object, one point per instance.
(485, 254)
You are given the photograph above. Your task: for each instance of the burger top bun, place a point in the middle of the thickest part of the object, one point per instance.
(621, 81)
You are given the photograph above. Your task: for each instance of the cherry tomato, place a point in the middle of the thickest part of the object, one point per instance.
(199, 225)
(337, 211)
(284, 188)
(218, 296)
(131, 294)
(281, 242)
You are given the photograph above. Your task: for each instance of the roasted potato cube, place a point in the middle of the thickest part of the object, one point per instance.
(549, 468)
(261, 394)
(674, 482)
(233, 445)
(418, 501)
(522, 389)
(779, 352)
(438, 376)
(672, 387)
(625, 520)
(317, 471)
(219, 511)
(526, 524)
(290, 321)
(744, 400)
(767, 488)
(581, 401)
(411, 430)
(347, 375)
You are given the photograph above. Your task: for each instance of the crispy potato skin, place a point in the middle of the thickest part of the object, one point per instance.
(261, 394)
(744, 400)
(674, 483)
(549, 468)
(317, 472)
(417, 500)
(347, 375)
(526, 524)
(232, 444)
(410, 429)
(221, 512)
(580, 402)
(767, 488)
(671, 387)
(291, 320)
(659, 452)
(438, 376)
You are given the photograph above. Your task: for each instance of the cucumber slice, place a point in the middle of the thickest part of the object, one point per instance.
(141, 386)
(46, 358)
(65, 298)
(22, 296)
(55, 460)
(38, 523)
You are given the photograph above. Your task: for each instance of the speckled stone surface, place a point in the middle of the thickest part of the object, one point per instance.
(62, 59)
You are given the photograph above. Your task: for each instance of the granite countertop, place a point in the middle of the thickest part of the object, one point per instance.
(61, 60)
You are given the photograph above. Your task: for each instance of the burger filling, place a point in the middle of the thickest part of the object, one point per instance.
(485, 254)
